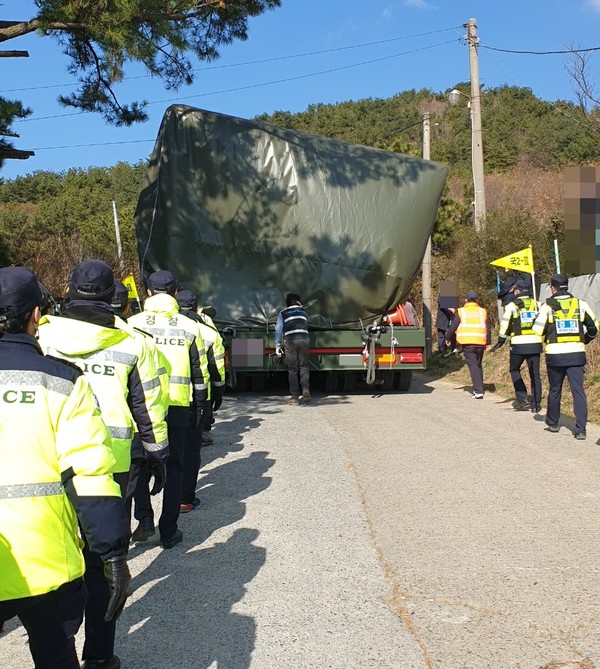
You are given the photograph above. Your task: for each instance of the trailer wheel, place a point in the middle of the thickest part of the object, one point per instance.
(403, 379)
(257, 382)
(387, 379)
(231, 379)
(241, 383)
(331, 382)
(349, 382)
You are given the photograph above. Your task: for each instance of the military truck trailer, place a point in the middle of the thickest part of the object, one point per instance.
(244, 212)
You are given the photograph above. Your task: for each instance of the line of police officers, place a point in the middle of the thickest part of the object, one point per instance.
(112, 404)
(562, 326)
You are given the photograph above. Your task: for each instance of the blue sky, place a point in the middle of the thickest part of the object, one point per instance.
(366, 50)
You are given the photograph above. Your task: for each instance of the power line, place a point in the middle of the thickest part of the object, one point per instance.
(252, 62)
(306, 76)
(251, 86)
(397, 132)
(540, 53)
(79, 146)
(554, 105)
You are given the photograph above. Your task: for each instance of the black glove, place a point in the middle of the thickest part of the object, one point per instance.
(197, 420)
(117, 574)
(217, 397)
(497, 346)
(158, 470)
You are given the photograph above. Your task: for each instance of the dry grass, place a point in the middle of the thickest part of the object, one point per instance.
(495, 373)
(537, 191)
(539, 194)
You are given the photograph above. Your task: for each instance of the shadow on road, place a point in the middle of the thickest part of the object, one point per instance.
(184, 597)
(185, 617)
(487, 388)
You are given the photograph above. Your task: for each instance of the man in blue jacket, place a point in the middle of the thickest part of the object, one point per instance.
(291, 331)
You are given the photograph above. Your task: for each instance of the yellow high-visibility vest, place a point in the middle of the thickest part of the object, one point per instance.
(174, 335)
(521, 320)
(53, 428)
(472, 327)
(107, 357)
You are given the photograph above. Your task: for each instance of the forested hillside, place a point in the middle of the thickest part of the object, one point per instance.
(519, 129)
(50, 221)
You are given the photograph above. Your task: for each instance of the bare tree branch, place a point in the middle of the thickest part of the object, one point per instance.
(583, 85)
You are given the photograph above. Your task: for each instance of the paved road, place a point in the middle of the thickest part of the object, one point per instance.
(401, 531)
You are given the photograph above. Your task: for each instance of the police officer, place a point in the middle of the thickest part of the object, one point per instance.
(525, 345)
(120, 300)
(193, 441)
(291, 331)
(214, 341)
(176, 336)
(188, 304)
(48, 304)
(124, 379)
(50, 477)
(139, 461)
(566, 324)
(473, 332)
(215, 355)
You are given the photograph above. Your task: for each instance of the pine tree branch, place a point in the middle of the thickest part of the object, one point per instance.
(13, 29)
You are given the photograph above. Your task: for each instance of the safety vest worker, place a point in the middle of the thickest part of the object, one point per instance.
(472, 325)
(56, 467)
(566, 325)
(473, 332)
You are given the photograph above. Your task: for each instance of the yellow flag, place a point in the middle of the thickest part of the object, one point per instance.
(520, 260)
(129, 283)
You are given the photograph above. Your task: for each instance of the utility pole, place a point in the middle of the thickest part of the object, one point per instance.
(476, 135)
(426, 267)
(118, 237)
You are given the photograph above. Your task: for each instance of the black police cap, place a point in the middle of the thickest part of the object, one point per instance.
(92, 280)
(162, 281)
(523, 285)
(560, 281)
(186, 299)
(20, 292)
(121, 296)
(209, 310)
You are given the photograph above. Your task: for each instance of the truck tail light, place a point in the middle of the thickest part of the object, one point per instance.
(411, 355)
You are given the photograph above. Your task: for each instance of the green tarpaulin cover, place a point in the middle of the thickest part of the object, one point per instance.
(243, 213)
